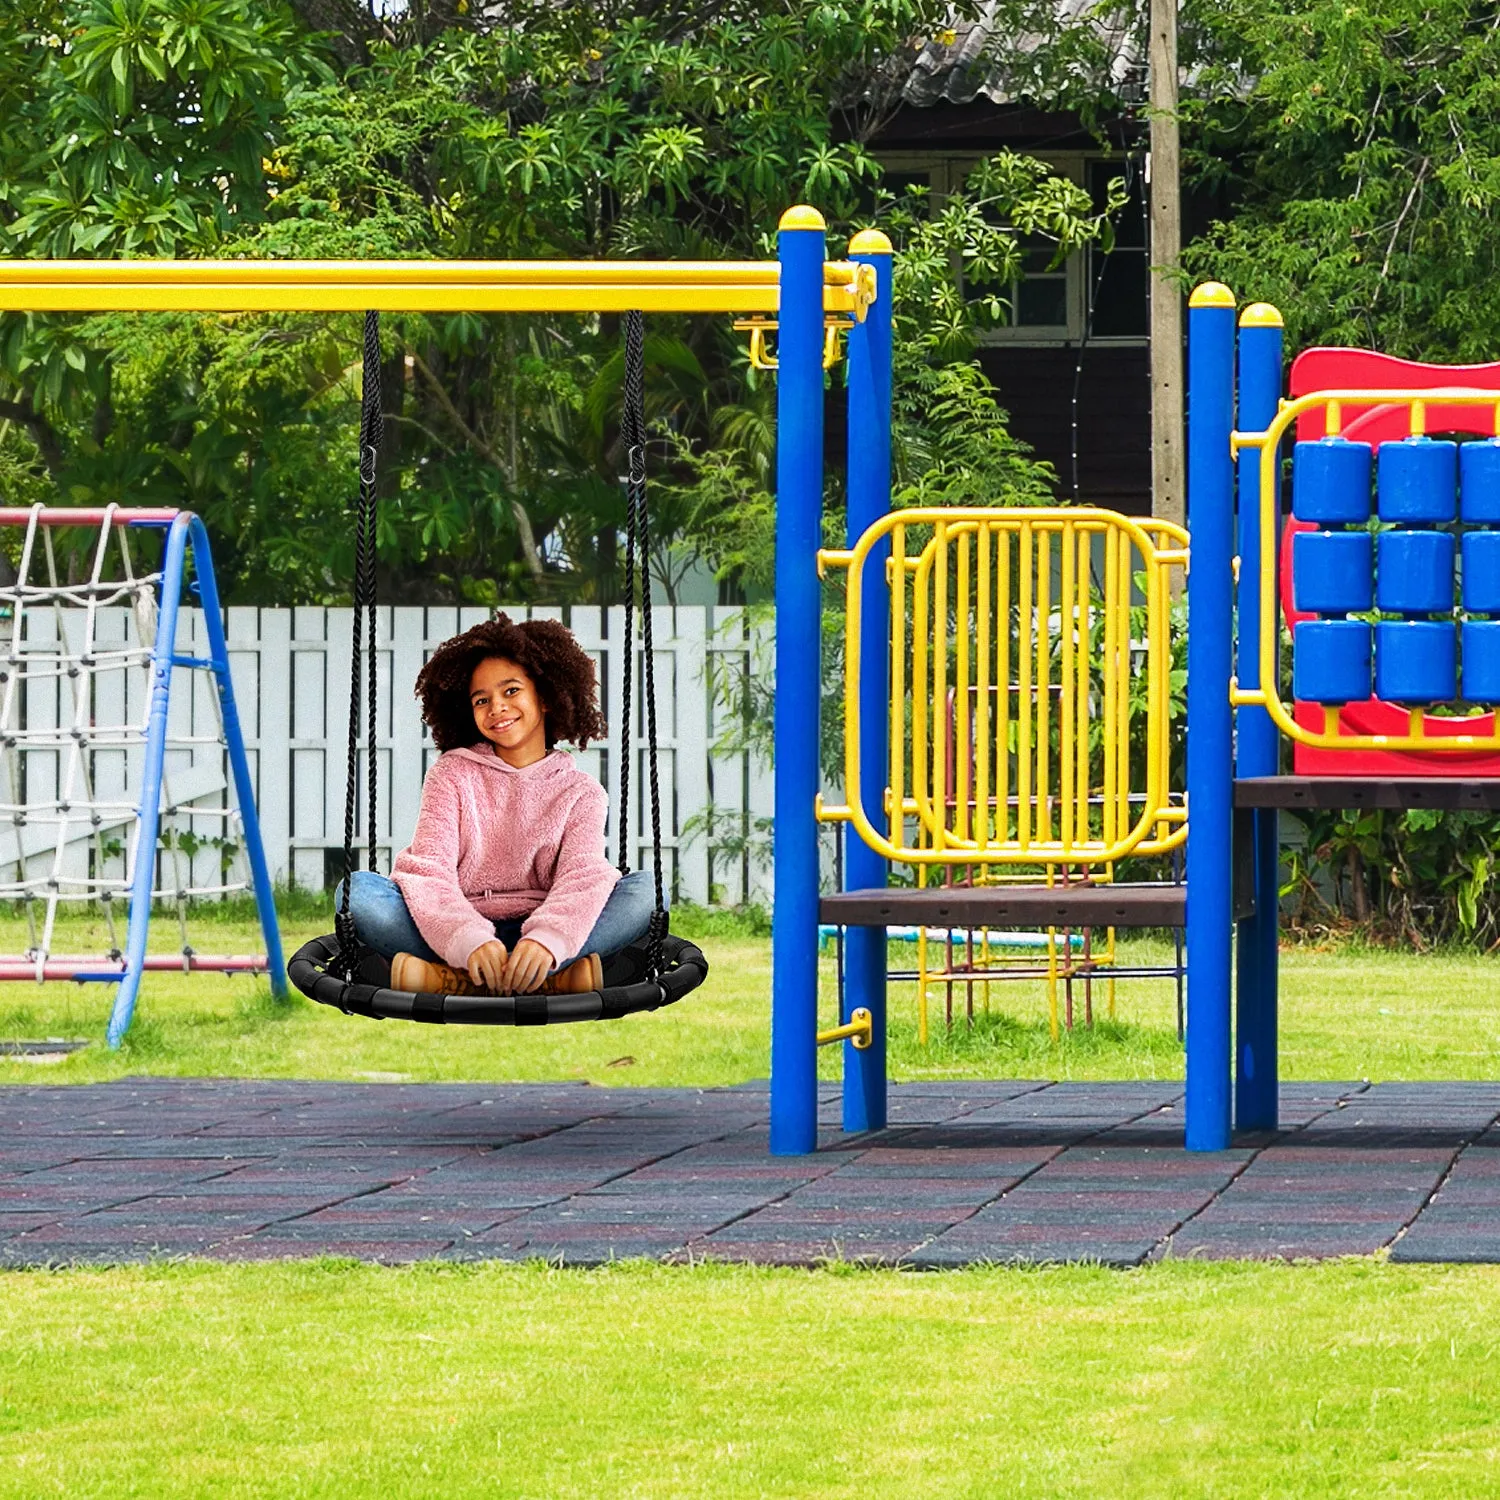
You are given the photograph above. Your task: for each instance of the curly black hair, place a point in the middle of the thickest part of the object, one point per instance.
(544, 649)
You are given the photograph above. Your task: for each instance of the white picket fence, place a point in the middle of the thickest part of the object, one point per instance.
(291, 677)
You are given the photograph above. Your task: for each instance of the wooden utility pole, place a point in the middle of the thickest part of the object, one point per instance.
(1168, 486)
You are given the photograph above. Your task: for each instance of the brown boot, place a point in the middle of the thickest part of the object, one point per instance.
(416, 975)
(577, 978)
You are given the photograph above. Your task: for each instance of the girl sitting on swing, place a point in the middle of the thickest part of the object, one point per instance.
(505, 888)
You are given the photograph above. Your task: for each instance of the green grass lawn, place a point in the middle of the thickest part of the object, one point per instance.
(327, 1379)
(1347, 1013)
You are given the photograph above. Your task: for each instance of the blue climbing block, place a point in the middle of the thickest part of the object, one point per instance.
(1481, 650)
(1417, 481)
(1479, 483)
(1415, 572)
(1331, 661)
(1331, 482)
(1481, 573)
(1333, 572)
(1416, 661)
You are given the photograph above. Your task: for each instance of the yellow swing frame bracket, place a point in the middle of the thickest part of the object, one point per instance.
(860, 1030)
(758, 327)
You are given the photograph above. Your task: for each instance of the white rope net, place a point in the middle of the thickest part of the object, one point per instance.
(78, 628)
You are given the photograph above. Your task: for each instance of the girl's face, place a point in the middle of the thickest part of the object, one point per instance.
(508, 710)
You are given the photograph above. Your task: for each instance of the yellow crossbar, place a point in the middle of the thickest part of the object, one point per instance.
(416, 286)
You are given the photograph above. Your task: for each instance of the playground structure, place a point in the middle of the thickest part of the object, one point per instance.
(1049, 629)
(114, 796)
(961, 596)
(1368, 552)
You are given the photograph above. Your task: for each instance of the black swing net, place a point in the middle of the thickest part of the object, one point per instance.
(337, 969)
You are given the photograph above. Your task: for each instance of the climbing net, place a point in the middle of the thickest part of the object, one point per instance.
(93, 650)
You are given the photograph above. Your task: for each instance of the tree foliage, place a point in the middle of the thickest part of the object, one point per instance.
(1360, 148)
(240, 128)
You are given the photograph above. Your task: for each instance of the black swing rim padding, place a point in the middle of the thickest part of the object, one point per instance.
(685, 969)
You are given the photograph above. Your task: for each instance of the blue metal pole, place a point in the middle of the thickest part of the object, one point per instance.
(799, 506)
(1257, 743)
(149, 825)
(869, 498)
(239, 765)
(1210, 784)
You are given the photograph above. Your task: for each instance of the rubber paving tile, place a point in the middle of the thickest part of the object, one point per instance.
(965, 1172)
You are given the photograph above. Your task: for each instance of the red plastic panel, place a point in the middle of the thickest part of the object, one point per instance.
(1364, 369)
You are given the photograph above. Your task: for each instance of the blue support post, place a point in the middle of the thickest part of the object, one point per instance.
(1210, 782)
(188, 530)
(149, 825)
(1257, 743)
(869, 498)
(239, 764)
(799, 508)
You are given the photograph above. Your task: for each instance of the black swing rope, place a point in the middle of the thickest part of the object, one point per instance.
(362, 641)
(638, 548)
(337, 970)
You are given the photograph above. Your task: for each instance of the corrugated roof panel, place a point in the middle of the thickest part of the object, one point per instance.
(980, 61)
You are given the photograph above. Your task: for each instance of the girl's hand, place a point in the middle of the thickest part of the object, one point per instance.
(529, 965)
(487, 966)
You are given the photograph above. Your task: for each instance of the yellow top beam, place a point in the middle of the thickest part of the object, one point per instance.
(415, 286)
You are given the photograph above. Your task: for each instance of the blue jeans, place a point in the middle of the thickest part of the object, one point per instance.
(383, 923)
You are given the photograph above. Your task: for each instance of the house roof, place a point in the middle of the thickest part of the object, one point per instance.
(983, 60)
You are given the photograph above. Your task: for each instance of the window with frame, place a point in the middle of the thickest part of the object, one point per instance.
(1050, 303)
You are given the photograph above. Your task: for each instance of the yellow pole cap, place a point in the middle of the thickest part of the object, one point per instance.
(870, 242)
(1260, 315)
(1211, 294)
(802, 217)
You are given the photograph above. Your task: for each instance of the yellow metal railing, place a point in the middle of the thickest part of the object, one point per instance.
(1267, 696)
(417, 286)
(1034, 624)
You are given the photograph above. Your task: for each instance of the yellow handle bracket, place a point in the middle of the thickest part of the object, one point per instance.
(758, 328)
(860, 1031)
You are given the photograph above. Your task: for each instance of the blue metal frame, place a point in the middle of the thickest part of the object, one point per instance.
(869, 498)
(1210, 907)
(1258, 745)
(188, 530)
(799, 516)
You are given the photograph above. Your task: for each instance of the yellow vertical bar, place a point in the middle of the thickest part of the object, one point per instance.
(898, 686)
(1065, 726)
(1122, 748)
(962, 707)
(1110, 955)
(1052, 1025)
(1081, 706)
(1025, 562)
(982, 788)
(922, 977)
(940, 721)
(1109, 676)
(1044, 684)
(1002, 687)
(921, 626)
(1156, 687)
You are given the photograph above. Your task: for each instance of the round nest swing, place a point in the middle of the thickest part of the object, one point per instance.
(337, 969)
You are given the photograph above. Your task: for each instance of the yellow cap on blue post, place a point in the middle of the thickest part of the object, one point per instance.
(802, 217)
(1211, 294)
(870, 242)
(1261, 315)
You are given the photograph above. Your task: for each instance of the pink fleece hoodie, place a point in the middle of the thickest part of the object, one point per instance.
(492, 841)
